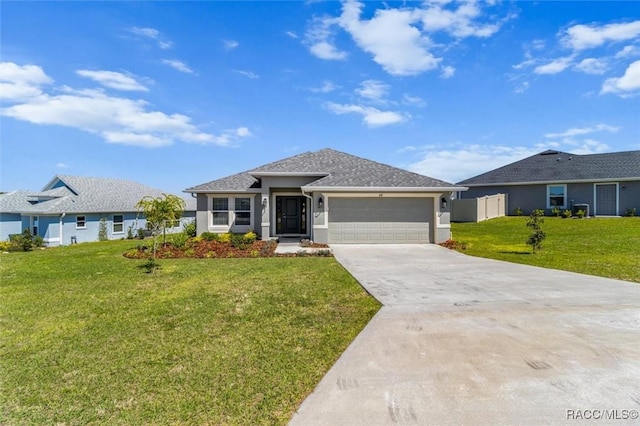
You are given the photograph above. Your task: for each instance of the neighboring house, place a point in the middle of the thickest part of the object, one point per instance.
(329, 197)
(70, 209)
(608, 183)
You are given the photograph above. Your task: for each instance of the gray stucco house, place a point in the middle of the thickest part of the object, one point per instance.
(70, 208)
(329, 197)
(608, 183)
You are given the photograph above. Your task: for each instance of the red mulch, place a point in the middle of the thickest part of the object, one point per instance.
(204, 249)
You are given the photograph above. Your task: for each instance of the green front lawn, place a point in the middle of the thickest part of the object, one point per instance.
(607, 247)
(88, 337)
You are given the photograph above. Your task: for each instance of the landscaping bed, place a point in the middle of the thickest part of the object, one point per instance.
(202, 249)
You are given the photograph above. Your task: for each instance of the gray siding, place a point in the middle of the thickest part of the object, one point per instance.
(380, 220)
(530, 197)
(629, 196)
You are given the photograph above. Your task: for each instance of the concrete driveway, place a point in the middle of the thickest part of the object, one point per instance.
(469, 341)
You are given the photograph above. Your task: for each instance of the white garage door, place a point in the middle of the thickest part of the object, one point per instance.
(380, 220)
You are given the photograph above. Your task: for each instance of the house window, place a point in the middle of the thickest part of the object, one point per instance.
(220, 211)
(81, 222)
(118, 223)
(556, 196)
(243, 211)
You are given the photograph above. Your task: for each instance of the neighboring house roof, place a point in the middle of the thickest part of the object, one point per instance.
(334, 169)
(556, 166)
(79, 194)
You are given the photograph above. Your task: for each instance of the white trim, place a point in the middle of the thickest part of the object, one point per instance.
(383, 194)
(51, 240)
(113, 224)
(231, 226)
(356, 189)
(289, 174)
(551, 182)
(85, 221)
(595, 197)
(564, 195)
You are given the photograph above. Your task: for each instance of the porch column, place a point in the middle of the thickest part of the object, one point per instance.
(265, 221)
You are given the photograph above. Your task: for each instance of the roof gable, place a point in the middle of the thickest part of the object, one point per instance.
(80, 194)
(557, 166)
(333, 168)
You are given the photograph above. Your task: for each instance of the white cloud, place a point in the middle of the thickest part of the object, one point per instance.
(556, 66)
(398, 39)
(247, 74)
(178, 65)
(62, 165)
(152, 34)
(627, 85)
(319, 38)
(576, 131)
(113, 80)
(21, 81)
(291, 34)
(458, 161)
(115, 119)
(592, 66)
(373, 90)
(372, 117)
(459, 23)
(230, 44)
(580, 37)
(447, 72)
(413, 100)
(391, 38)
(628, 52)
(326, 87)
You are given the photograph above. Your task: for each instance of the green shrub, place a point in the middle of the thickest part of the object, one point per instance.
(555, 212)
(21, 242)
(537, 235)
(102, 230)
(130, 233)
(581, 213)
(250, 237)
(5, 245)
(630, 212)
(241, 241)
(38, 241)
(517, 211)
(179, 240)
(224, 238)
(210, 236)
(140, 234)
(190, 229)
(566, 214)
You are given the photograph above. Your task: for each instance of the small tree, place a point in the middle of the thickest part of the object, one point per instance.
(160, 213)
(537, 235)
(102, 230)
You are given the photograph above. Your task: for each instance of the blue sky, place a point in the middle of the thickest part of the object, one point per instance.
(176, 94)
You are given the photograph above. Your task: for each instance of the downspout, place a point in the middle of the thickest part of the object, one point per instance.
(61, 227)
(311, 214)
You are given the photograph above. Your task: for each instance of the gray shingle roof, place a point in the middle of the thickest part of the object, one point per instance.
(79, 194)
(334, 169)
(556, 166)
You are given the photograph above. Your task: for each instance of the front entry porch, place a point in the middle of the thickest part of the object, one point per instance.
(291, 215)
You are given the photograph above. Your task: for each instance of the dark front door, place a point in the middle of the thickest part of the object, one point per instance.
(291, 215)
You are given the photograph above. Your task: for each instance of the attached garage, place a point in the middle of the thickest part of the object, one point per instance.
(389, 220)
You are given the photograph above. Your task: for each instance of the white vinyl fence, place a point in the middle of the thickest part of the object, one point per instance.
(478, 209)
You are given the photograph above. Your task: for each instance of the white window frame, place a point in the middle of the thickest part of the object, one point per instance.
(213, 211)
(84, 222)
(236, 211)
(564, 196)
(114, 223)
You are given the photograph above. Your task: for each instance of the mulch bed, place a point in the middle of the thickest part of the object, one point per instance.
(216, 250)
(204, 250)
